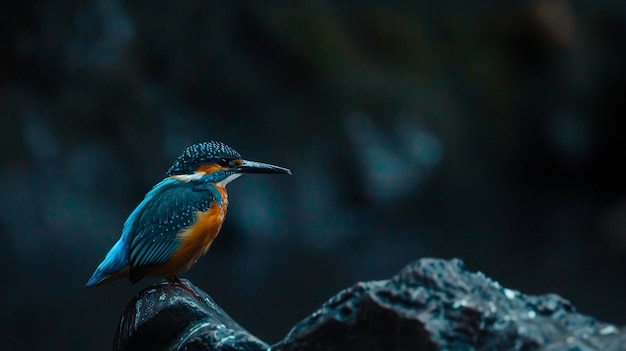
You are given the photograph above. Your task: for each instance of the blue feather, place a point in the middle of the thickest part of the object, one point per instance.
(150, 234)
(114, 262)
(117, 258)
(168, 208)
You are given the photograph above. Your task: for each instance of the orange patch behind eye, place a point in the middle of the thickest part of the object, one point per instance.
(210, 168)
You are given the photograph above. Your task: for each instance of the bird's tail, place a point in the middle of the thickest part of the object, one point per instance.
(115, 265)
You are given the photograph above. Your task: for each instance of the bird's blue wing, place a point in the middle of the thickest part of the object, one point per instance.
(151, 230)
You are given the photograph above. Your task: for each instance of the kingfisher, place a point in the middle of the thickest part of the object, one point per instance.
(180, 217)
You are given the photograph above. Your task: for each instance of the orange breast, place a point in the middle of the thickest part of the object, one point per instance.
(196, 239)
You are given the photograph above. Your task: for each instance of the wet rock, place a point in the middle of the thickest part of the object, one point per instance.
(180, 317)
(431, 304)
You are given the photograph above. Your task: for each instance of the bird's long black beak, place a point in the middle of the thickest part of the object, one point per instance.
(258, 167)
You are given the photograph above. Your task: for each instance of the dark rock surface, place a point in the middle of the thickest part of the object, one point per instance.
(431, 304)
(168, 317)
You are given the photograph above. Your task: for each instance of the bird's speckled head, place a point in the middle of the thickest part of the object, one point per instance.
(194, 156)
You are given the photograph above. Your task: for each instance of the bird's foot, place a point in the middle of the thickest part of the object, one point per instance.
(174, 280)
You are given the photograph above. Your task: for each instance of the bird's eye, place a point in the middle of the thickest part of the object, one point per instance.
(223, 162)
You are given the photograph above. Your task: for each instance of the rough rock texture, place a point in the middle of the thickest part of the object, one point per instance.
(431, 304)
(168, 317)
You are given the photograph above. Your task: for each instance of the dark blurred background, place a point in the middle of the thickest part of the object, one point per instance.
(484, 130)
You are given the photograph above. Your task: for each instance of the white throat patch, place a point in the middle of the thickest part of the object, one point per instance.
(189, 177)
(229, 179)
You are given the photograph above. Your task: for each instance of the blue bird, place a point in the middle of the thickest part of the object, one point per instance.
(180, 217)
